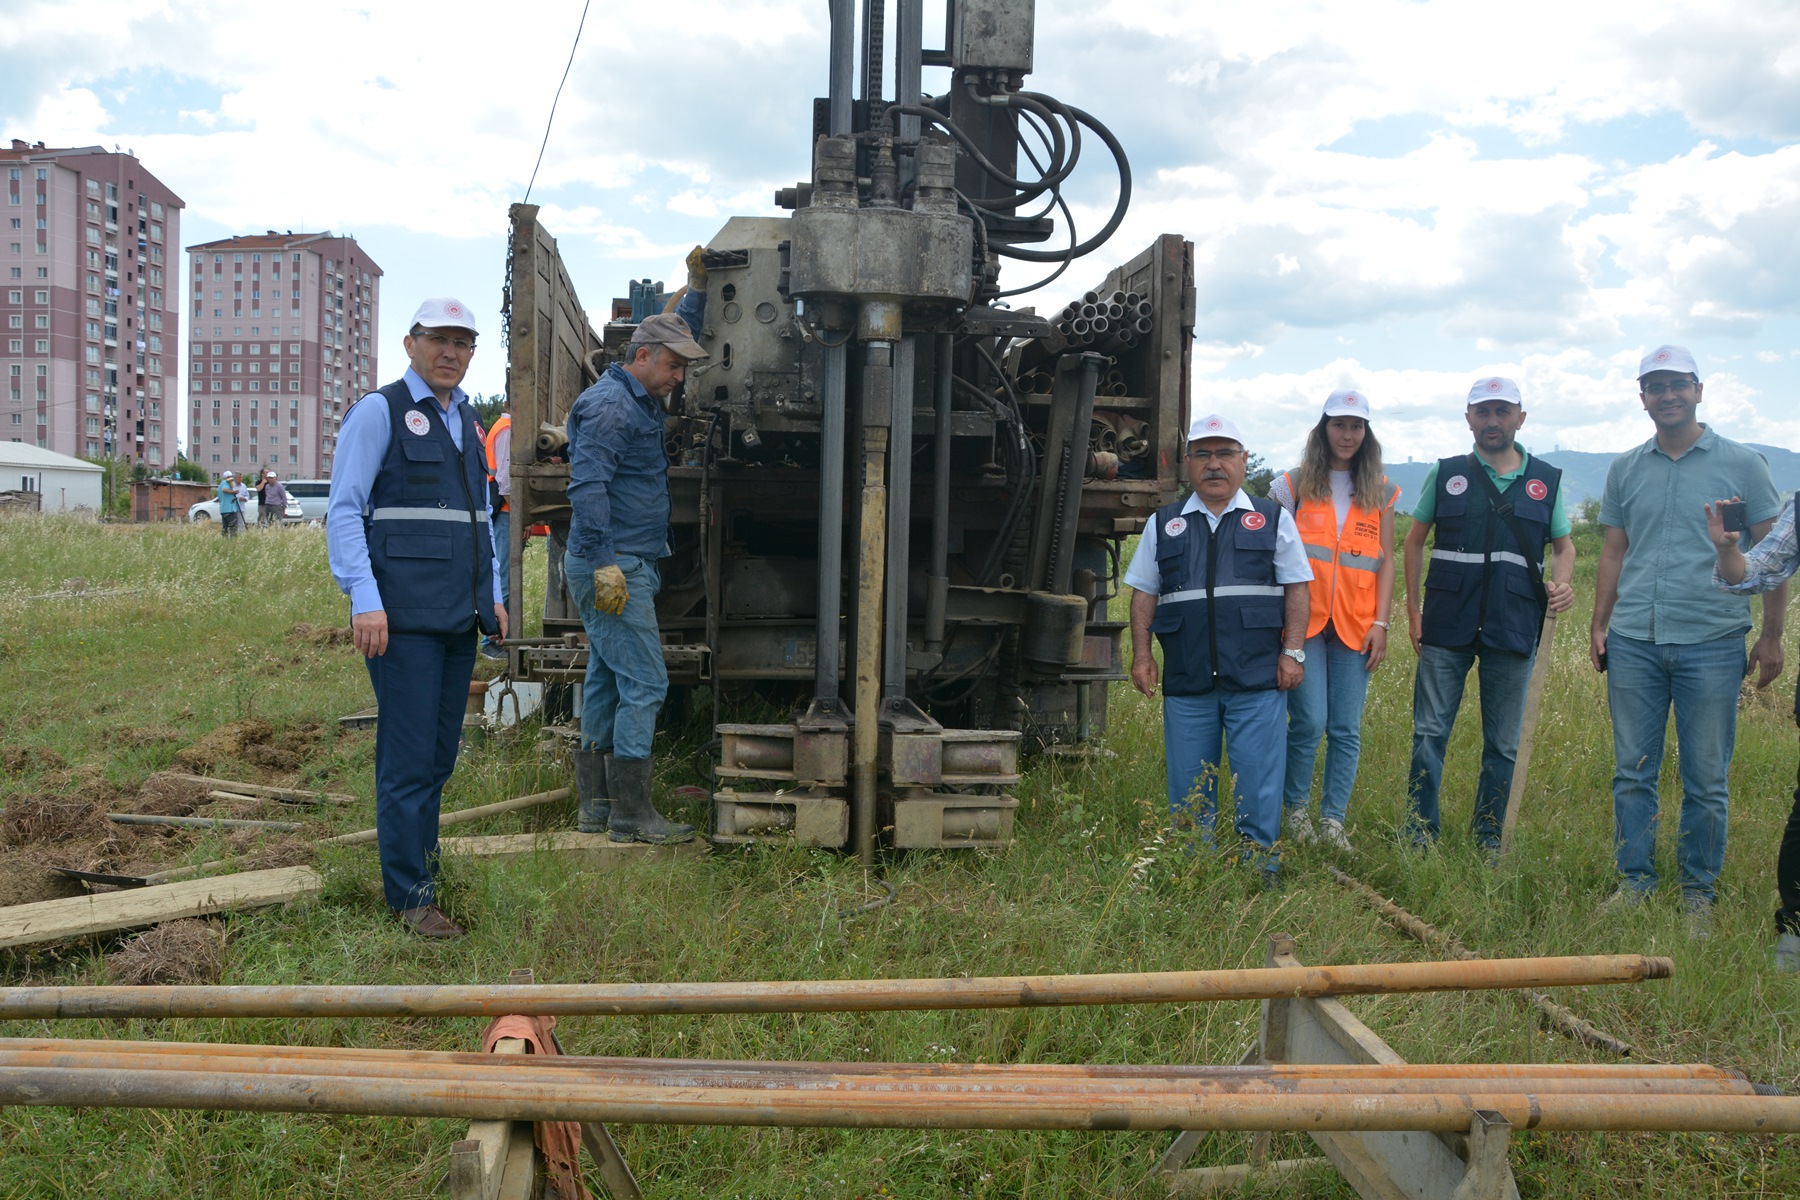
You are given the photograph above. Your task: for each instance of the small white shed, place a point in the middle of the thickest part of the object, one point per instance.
(64, 484)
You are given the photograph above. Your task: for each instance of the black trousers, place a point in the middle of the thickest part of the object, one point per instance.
(1787, 869)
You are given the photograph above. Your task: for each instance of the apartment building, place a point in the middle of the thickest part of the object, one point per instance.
(281, 342)
(89, 325)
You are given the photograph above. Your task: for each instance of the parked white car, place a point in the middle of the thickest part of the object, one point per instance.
(208, 510)
(312, 495)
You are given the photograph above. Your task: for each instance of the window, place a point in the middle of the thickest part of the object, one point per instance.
(293, 385)
(218, 349)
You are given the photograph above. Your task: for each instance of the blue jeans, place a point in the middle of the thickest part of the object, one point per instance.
(1329, 701)
(503, 557)
(1700, 682)
(1437, 695)
(422, 688)
(626, 679)
(1253, 726)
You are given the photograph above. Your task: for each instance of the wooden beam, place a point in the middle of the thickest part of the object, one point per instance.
(287, 794)
(594, 851)
(54, 920)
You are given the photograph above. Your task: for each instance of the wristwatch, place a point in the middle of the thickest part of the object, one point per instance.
(1298, 656)
(1379, 624)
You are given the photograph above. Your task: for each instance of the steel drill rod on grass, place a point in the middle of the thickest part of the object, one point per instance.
(120, 1087)
(824, 995)
(202, 822)
(891, 1078)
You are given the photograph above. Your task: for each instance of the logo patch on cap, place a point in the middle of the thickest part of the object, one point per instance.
(1536, 490)
(454, 310)
(1662, 356)
(1254, 520)
(1176, 526)
(1456, 485)
(1494, 385)
(1214, 423)
(418, 423)
(1352, 400)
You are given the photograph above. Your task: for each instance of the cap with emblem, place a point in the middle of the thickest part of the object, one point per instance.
(1347, 403)
(668, 329)
(227, 475)
(1669, 358)
(444, 312)
(1494, 387)
(1214, 425)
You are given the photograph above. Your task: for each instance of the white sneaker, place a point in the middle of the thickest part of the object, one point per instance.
(1298, 824)
(1624, 896)
(1697, 910)
(1787, 953)
(1332, 830)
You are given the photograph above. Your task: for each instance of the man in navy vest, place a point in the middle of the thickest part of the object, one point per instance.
(1494, 511)
(619, 494)
(407, 531)
(1220, 578)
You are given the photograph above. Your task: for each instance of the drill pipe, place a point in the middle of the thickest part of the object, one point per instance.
(827, 995)
(123, 1087)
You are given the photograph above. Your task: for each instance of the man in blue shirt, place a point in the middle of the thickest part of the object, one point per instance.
(407, 532)
(229, 516)
(619, 529)
(1667, 639)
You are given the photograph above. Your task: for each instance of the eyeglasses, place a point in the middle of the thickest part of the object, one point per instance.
(1658, 390)
(438, 342)
(1223, 456)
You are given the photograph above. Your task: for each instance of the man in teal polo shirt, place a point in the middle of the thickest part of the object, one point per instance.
(1666, 638)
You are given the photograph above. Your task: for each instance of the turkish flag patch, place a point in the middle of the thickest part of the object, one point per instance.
(1254, 520)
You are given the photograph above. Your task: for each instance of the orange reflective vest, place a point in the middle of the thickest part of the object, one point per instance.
(1345, 566)
(500, 426)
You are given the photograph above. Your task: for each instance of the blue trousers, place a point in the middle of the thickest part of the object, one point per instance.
(1196, 732)
(1329, 701)
(1437, 695)
(422, 687)
(626, 680)
(1700, 683)
(503, 556)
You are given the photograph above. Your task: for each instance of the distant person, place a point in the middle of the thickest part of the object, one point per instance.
(230, 509)
(407, 533)
(1495, 510)
(1343, 507)
(1221, 579)
(1764, 569)
(498, 448)
(619, 494)
(1667, 638)
(271, 500)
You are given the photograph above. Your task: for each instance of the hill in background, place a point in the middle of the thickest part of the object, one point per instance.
(1584, 474)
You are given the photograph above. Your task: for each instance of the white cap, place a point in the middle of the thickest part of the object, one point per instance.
(1669, 358)
(444, 312)
(1347, 403)
(1494, 387)
(1212, 425)
(226, 475)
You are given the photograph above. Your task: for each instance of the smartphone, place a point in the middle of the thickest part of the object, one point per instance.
(1603, 662)
(1734, 514)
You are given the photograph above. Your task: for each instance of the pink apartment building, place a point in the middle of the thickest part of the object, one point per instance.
(281, 341)
(89, 321)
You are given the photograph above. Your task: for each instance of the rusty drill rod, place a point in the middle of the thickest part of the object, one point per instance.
(823, 995)
(202, 822)
(117, 1087)
(894, 1078)
(568, 1062)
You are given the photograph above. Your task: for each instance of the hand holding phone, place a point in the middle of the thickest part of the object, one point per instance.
(1726, 521)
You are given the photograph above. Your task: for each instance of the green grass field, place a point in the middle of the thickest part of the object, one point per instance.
(196, 632)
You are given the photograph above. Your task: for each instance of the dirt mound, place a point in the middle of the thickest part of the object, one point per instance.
(145, 735)
(180, 952)
(258, 851)
(52, 820)
(225, 744)
(17, 760)
(165, 797)
(24, 880)
(320, 635)
(287, 751)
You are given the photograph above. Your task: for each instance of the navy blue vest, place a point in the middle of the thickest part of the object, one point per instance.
(1483, 587)
(1219, 610)
(429, 540)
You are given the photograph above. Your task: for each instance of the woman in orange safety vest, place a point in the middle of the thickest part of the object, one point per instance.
(1344, 507)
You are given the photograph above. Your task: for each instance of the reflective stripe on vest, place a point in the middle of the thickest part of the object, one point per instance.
(1220, 593)
(1345, 564)
(426, 514)
(1505, 556)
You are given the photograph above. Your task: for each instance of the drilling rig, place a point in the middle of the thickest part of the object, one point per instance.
(898, 498)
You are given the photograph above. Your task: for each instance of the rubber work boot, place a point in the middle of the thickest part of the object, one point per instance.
(634, 818)
(590, 791)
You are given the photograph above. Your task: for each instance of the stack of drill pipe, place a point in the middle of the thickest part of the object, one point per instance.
(1114, 321)
(881, 1095)
(823, 995)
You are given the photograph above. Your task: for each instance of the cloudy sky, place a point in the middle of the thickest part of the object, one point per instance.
(1396, 196)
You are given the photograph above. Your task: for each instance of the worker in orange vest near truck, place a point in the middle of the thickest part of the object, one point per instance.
(1344, 508)
(499, 473)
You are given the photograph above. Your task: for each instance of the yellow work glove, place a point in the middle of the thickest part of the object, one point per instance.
(696, 270)
(609, 590)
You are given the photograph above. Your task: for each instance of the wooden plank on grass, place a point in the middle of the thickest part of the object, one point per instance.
(287, 795)
(54, 920)
(594, 851)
